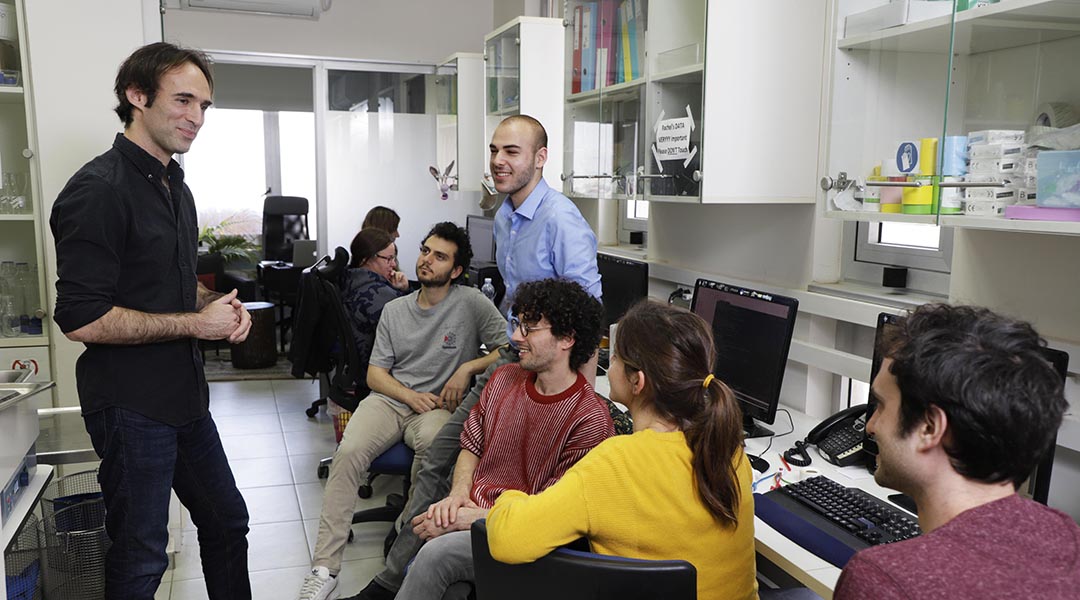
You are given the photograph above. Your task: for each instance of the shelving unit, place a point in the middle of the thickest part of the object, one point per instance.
(881, 217)
(523, 75)
(983, 68)
(22, 235)
(1007, 24)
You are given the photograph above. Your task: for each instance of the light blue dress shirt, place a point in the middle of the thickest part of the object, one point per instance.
(545, 237)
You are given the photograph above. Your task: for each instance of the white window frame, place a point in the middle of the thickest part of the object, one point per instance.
(626, 224)
(864, 261)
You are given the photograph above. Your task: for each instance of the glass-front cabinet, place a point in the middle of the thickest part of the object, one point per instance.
(960, 113)
(523, 74)
(459, 113)
(23, 328)
(657, 112)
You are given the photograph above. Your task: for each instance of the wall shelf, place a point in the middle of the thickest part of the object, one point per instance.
(11, 94)
(1003, 224)
(1008, 24)
(872, 217)
(24, 341)
(29, 217)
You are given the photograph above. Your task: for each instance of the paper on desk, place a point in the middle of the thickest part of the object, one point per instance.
(854, 473)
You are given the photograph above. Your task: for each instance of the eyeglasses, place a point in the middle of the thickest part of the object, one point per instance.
(388, 259)
(526, 329)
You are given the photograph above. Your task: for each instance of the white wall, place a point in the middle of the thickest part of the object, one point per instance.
(73, 102)
(394, 30)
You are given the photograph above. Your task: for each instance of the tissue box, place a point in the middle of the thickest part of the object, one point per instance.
(894, 14)
(1058, 179)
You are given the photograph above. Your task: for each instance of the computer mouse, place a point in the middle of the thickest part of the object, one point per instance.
(759, 464)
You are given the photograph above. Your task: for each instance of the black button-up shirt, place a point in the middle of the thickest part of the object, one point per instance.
(124, 238)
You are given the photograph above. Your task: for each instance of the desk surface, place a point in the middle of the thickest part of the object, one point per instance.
(808, 569)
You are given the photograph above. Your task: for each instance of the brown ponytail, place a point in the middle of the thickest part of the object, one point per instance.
(674, 348)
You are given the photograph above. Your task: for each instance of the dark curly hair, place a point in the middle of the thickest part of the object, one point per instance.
(570, 310)
(451, 232)
(988, 373)
(145, 67)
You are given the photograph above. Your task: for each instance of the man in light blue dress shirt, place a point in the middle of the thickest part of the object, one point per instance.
(539, 233)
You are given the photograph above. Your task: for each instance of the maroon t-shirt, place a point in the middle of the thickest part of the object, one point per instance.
(1009, 548)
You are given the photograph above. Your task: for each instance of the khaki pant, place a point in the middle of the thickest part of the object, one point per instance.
(377, 424)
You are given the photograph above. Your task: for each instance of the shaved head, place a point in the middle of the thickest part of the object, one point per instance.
(539, 134)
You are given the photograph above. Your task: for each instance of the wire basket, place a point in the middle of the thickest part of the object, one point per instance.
(23, 562)
(73, 533)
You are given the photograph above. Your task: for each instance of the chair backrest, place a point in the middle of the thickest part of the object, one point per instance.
(572, 575)
(284, 220)
(348, 382)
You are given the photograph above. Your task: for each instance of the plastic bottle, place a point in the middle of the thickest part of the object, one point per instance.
(33, 302)
(22, 308)
(488, 289)
(9, 326)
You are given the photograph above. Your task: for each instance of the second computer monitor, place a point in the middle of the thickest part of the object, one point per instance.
(482, 236)
(752, 333)
(623, 282)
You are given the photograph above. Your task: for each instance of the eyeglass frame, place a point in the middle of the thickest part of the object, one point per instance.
(525, 330)
(388, 259)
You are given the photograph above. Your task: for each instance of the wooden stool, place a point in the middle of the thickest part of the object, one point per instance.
(259, 350)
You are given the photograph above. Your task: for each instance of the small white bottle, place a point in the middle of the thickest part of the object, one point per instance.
(488, 289)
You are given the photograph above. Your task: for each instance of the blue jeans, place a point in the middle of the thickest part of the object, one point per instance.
(141, 461)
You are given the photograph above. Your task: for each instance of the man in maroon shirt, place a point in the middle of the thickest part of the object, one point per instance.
(967, 406)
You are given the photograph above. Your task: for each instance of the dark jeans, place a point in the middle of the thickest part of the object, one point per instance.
(141, 461)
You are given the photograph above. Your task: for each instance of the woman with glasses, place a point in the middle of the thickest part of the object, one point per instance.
(371, 281)
(678, 488)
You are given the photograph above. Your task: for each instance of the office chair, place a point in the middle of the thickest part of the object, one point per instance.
(572, 575)
(324, 346)
(284, 221)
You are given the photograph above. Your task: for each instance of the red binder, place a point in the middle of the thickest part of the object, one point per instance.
(608, 46)
(575, 81)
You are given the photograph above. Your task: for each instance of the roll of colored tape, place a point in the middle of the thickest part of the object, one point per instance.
(1056, 114)
(928, 156)
(954, 156)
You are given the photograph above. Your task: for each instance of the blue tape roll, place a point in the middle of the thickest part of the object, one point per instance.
(954, 156)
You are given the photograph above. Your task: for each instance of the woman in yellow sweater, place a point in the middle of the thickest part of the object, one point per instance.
(678, 488)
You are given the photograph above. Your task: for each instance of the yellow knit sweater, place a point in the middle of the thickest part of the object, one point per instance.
(634, 496)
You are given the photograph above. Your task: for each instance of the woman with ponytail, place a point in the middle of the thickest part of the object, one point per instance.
(678, 488)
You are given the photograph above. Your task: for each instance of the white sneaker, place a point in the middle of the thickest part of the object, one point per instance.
(319, 585)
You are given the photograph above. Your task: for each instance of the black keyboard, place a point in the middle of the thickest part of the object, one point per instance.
(850, 515)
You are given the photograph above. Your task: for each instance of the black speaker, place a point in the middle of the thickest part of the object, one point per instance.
(894, 277)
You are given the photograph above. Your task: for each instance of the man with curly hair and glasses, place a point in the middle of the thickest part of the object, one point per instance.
(535, 419)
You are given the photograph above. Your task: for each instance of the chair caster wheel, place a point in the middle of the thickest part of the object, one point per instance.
(323, 472)
(350, 536)
(311, 412)
(364, 491)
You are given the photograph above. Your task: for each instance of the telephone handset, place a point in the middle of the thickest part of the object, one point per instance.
(839, 438)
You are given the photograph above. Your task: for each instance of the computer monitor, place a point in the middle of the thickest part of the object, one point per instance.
(623, 282)
(752, 333)
(482, 236)
(1037, 486)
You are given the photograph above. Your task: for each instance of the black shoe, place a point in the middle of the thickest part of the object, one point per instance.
(373, 591)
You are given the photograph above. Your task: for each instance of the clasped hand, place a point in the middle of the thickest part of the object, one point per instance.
(225, 318)
(453, 513)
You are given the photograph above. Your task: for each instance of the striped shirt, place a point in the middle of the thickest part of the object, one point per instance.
(526, 440)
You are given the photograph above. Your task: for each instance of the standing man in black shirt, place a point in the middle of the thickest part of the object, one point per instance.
(126, 232)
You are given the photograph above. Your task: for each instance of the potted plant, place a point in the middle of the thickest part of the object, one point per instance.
(222, 247)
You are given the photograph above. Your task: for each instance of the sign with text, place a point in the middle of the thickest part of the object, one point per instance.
(673, 139)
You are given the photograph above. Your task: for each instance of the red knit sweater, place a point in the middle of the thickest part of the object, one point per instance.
(526, 440)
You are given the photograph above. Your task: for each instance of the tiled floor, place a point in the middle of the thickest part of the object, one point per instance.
(274, 450)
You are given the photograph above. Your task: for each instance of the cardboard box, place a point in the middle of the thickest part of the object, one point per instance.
(1058, 179)
(894, 14)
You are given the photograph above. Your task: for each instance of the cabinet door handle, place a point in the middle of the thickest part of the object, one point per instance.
(27, 153)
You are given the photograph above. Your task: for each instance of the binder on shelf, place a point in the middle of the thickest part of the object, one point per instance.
(606, 48)
(636, 27)
(626, 68)
(575, 76)
(589, 30)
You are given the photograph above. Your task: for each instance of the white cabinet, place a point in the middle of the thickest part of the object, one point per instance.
(22, 220)
(524, 75)
(459, 111)
(710, 102)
